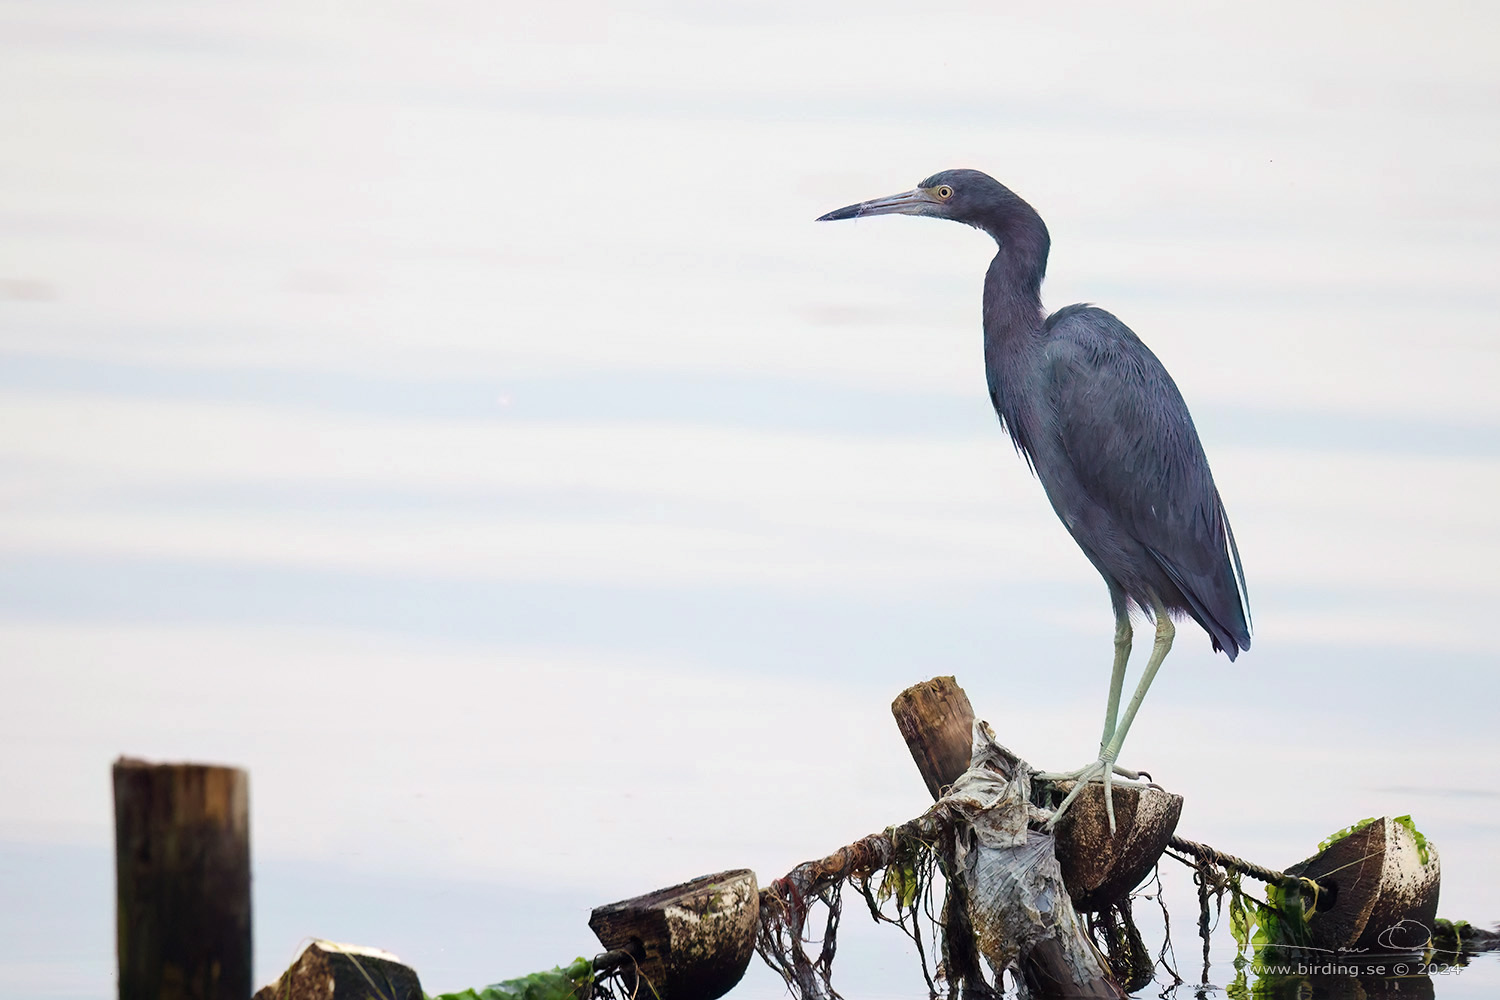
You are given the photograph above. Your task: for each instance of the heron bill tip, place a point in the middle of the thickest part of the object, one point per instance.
(847, 212)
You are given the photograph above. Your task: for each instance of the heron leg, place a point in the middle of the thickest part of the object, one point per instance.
(1165, 632)
(1123, 635)
(1115, 729)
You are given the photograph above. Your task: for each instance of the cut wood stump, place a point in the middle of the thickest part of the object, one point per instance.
(1100, 868)
(329, 971)
(689, 942)
(1384, 896)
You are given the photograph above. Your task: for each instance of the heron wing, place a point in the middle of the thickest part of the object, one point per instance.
(1132, 446)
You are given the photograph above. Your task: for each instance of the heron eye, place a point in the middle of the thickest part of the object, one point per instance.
(944, 192)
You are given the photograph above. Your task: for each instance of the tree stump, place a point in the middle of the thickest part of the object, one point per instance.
(690, 942)
(182, 881)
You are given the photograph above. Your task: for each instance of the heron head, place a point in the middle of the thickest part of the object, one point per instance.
(961, 195)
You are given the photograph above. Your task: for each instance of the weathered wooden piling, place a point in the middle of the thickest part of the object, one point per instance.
(1098, 867)
(182, 880)
(937, 721)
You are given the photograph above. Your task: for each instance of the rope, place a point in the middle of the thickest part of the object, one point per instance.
(1223, 860)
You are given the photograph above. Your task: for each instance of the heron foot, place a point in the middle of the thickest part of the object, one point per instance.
(1092, 770)
(1103, 769)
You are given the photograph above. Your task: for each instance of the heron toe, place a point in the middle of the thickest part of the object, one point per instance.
(1076, 775)
(1100, 770)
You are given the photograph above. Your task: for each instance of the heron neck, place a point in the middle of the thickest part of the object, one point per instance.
(1013, 285)
(1013, 318)
(1013, 290)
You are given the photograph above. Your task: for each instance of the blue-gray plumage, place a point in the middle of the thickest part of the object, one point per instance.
(1104, 428)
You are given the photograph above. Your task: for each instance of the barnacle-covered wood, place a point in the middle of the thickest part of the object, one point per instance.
(1384, 898)
(692, 940)
(329, 971)
(1099, 868)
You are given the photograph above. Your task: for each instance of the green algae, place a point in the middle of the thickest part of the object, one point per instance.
(571, 982)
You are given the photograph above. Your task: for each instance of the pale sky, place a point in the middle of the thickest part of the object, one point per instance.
(451, 413)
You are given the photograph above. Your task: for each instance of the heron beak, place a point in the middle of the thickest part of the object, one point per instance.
(917, 201)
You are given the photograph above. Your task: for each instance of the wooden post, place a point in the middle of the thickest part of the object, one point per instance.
(1098, 866)
(182, 878)
(937, 722)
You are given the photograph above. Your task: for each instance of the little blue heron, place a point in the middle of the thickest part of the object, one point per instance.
(1101, 423)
